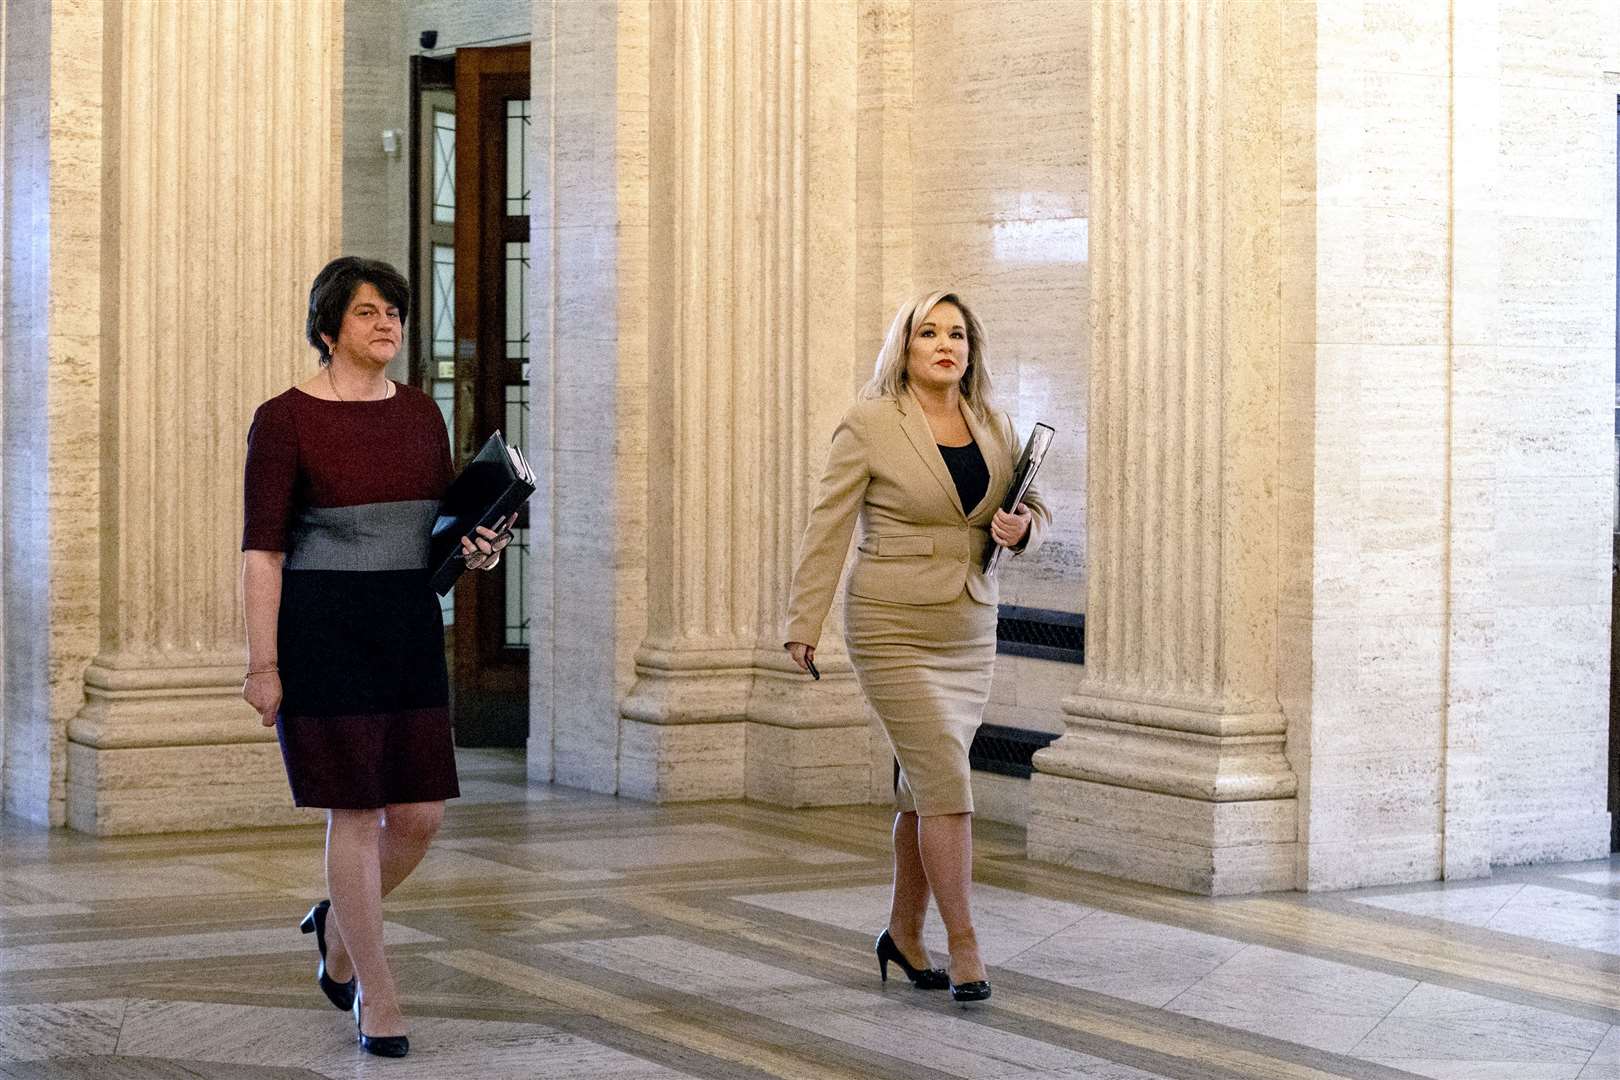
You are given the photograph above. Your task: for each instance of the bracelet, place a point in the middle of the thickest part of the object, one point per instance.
(260, 671)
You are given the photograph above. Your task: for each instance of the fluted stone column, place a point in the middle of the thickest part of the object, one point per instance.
(1172, 768)
(222, 201)
(751, 253)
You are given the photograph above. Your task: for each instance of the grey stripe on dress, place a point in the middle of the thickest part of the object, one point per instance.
(371, 536)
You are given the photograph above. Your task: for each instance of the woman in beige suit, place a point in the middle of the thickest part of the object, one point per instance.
(921, 463)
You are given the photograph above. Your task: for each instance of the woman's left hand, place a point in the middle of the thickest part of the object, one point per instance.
(1009, 530)
(485, 552)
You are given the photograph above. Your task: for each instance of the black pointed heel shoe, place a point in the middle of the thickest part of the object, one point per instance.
(970, 991)
(339, 994)
(394, 1046)
(921, 978)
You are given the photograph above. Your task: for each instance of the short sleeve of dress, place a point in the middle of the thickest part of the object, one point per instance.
(270, 477)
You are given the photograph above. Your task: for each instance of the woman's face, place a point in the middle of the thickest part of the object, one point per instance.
(938, 355)
(371, 330)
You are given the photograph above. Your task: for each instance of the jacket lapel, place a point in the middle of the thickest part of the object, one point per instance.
(921, 437)
(995, 459)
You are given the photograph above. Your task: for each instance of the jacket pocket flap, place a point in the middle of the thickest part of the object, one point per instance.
(905, 545)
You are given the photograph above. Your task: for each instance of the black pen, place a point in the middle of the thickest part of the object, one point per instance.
(810, 666)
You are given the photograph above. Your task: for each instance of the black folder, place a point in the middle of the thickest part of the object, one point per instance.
(1029, 463)
(493, 485)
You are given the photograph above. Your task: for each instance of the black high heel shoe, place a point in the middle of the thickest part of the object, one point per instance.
(978, 990)
(921, 978)
(339, 994)
(381, 1045)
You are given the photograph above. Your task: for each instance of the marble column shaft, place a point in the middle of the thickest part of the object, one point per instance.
(807, 743)
(737, 308)
(1172, 767)
(222, 201)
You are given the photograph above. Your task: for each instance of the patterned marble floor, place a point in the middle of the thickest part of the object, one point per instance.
(556, 934)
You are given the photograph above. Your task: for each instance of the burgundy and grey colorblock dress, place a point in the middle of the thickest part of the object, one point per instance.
(349, 489)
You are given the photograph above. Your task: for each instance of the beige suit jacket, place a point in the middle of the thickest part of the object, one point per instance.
(918, 544)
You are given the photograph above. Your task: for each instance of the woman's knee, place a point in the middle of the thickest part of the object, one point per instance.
(355, 822)
(952, 825)
(415, 821)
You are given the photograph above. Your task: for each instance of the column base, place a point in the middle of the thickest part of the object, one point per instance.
(681, 762)
(682, 735)
(179, 789)
(808, 742)
(1189, 844)
(793, 767)
(173, 750)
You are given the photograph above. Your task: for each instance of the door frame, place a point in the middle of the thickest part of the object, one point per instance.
(491, 678)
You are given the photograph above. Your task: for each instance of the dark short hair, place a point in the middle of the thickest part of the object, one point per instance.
(335, 287)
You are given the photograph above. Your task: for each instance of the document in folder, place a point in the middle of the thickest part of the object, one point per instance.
(493, 485)
(1029, 462)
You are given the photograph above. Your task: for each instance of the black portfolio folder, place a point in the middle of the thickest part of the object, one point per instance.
(493, 485)
(1029, 463)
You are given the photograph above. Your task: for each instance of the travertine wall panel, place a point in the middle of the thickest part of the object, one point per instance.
(5, 166)
(1373, 742)
(377, 98)
(53, 157)
(885, 89)
(463, 23)
(999, 208)
(1543, 650)
(1456, 333)
(32, 741)
(588, 320)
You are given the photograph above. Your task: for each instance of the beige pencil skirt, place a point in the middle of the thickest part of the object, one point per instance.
(926, 670)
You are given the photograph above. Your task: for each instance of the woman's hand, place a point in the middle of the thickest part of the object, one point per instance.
(803, 655)
(262, 690)
(485, 553)
(1009, 530)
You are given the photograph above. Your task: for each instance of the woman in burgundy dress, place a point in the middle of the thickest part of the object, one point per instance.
(345, 636)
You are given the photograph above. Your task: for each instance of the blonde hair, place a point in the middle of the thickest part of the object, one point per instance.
(889, 373)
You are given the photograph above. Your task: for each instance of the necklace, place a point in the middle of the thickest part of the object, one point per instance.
(388, 391)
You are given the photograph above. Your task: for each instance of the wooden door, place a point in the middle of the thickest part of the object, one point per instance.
(490, 647)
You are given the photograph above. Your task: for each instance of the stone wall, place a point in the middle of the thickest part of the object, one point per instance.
(1437, 432)
(52, 326)
(1456, 308)
(379, 37)
(590, 361)
(998, 182)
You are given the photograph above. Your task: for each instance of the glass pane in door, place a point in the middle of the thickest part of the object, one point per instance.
(444, 167)
(517, 157)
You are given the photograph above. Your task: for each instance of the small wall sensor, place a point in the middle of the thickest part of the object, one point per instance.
(430, 38)
(391, 142)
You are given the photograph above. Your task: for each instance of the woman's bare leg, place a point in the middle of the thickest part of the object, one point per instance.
(354, 877)
(908, 906)
(946, 843)
(407, 830)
